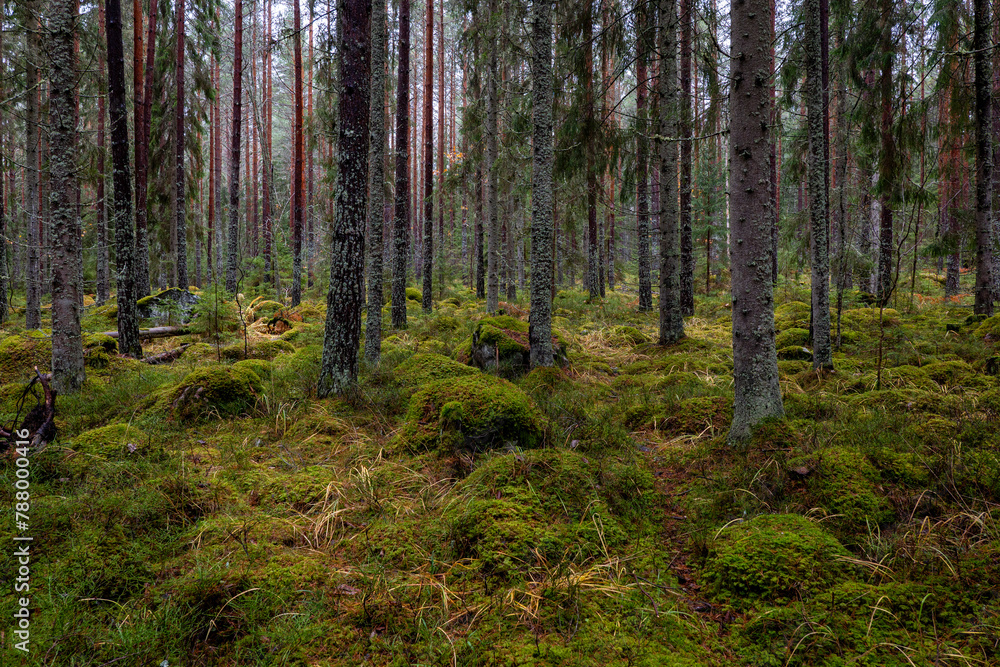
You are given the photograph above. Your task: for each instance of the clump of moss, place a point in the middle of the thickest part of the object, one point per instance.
(957, 373)
(261, 367)
(114, 441)
(423, 368)
(989, 329)
(98, 350)
(494, 413)
(261, 349)
(773, 557)
(792, 314)
(413, 294)
(503, 341)
(626, 336)
(259, 309)
(795, 353)
(222, 390)
(792, 337)
(20, 354)
(699, 414)
(900, 377)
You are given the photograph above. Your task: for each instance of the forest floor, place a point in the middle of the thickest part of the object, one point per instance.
(213, 511)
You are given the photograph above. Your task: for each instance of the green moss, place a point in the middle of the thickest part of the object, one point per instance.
(504, 339)
(98, 340)
(262, 309)
(423, 368)
(792, 337)
(626, 336)
(792, 314)
(900, 377)
(261, 367)
(114, 441)
(221, 390)
(494, 413)
(847, 486)
(261, 349)
(413, 294)
(956, 373)
(989, 329)
(795, 353)
(771, 558)
(700, 414)
(20, 354)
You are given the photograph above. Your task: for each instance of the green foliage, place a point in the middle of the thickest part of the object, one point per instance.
(422, 368)
(259, 349)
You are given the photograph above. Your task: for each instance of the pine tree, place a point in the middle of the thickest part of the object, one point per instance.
(180, 194)
(33, 308)
(985, 237)
(492, 177)
(671, 315)
(401, 213)
(642, 154)
(232, 261)
(298, 192)
(428, 226)
(540, 320)
(376, 183)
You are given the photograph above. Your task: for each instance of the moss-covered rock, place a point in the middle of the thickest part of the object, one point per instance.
(626, 336)
(261, 367)
(956, 373)
(792, 337)
(214, 390)
(483, 412)
(260, 349)
(773, 557)
(845, 484)
(19, 354)
(113, 442)
(413, 294)
(258, 309)
(792, 314)
(989, 329)
(167, 302)
(795, 353)
(503, 340)
(423, 368)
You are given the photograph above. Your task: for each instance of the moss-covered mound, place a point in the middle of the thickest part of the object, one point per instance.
(167, 302)
(773, 557)
(20, 354)
(214, 390)
(517, 510)
(792, 314)
(113, 441)
(261, 349)
(792, 337)
(900, 377)
(626, 336)
(423, 368)
(413, 294)
(258, 309)
(99, 350)
(503, 341)
(476, 412)
(261, 367)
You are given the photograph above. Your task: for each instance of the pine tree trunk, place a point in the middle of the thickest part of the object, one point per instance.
(819, 202)
(180, 195)
(142, 161)
(492, 181)
(642, 156)
(755, 363)
(270, 270)
(345, 299)
(442, 147)
(376, 186)
(540, 318)
(671, 315)
(480, 235)
(887, 160)
(590, 127)
(128, 322)
(428, 226)
(298, 192)
(684, 127)
(985, 240)
(401, 215)
(101, 222)
(310, 231)
(234, 154)
(32, 279)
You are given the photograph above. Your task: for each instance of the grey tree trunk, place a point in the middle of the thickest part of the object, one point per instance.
(594, 279)
(819, 196)
(5, 278)
(128, 322)
(671, 315)
(401, 216)
(493, 224)
(887, 159)
(984, 161)
(642, 155)
(298, 191)
(755, 362)
(376, 183)
(103, 281)
(142, 164)
(339, 370)
(480, 236)
(540, 319)
(180, 195)
(234, 155)
(685, 133)
(33, 277)
(427, 247)
(64, 184)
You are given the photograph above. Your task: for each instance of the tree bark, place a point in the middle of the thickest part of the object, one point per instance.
(493, 223)
(887, 160)
(642, 155)
(339, 369)
(376, 183)
(298, 192)
(590, 123)
(985, 240)
(401, 215)
(687, 236)
(32, 279)
(428, 226)
(180, 195)
(234, 154)
(671, 315)
(755, 363)
(128, 323)
(142, 161)
(101, 222)
(540, 319)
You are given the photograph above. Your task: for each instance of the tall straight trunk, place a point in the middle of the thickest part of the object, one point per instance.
(298, 192)
(265, 203)
(480, 235)
(887, 160)
(32, 185)
(339, 369)
(442, 147)
(540, 318)
(310, 231)
(401, 215)
(210, 267)
(755, 363)
(101, 222)
(685, 134)
(642, 156)
(234, 154)
(142, 160)
(775, 174)
(428, 228)
(819, 201)
(984, 162)
(180, 198)
(376, 182)
(128, 322)
(493, 224)
(64, 184)
(590, 125)
(220, 228)
(671, 315)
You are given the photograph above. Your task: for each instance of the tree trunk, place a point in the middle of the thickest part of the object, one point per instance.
(687, 236)
(128, 323)
(540, 318)
(142, 161)
(310, 230)
(755, 363)
(101, 222)
(984, 162)
(819, 201)
(180, 198)
(376, 183)
(428, 226)
(401, 216)
(590, 123)
(442, 147)
(345, 299)
(887, 160)
(671, 315)
(234, 154)
(298, 193)
(32, 279)
(493, 224)
(642, 156)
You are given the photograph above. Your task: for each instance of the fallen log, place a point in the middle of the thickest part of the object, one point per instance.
(39, 423)
(155, 332)
(165, 357)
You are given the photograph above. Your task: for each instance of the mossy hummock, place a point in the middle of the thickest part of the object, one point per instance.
(20, 354)
(503, 341)
(222, 390)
